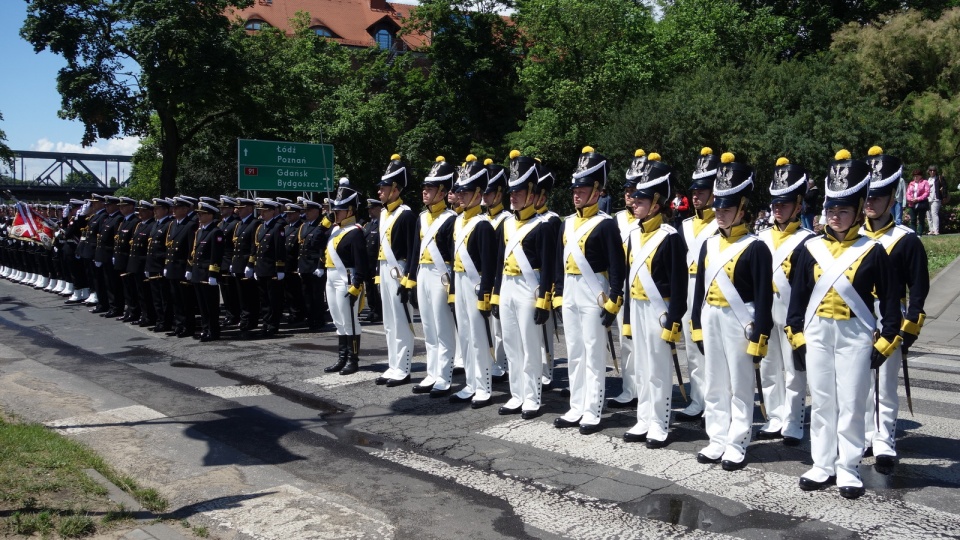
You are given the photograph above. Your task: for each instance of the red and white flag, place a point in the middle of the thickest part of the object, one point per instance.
(30, 226)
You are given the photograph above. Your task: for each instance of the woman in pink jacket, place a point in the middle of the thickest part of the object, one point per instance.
(918, 195)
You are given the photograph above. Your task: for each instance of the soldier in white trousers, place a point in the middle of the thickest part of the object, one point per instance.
(696, 229)
(731, 318)
(474, 268)
(911, 279)
(553, 223)
(521, 296)
(656, 301)
(591, 293)
(397, 224)
(784, 385)
(429, 273)
(493, 203)
(831, 325)
(627, 224)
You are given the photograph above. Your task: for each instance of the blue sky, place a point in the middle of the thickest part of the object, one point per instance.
(29, 99)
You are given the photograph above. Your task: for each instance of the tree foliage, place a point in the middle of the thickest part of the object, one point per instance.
(6, 154)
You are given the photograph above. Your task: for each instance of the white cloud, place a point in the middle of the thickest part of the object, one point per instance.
(31, 168)
(125, 146)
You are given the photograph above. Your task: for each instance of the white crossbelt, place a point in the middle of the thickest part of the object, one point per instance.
(385, 245)
(332, 249)
(429, 240)
(625, 226)
(890, 238)
(571, 248)
(833, 277)
(695, 241)
(780, 255)
(639, 270)
(461, 250)
(714, 272)
(517, 236)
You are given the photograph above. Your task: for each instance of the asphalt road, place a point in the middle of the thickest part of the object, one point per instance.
(252, 440)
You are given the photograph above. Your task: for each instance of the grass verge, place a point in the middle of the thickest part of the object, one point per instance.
(43, 489)
(941, 251)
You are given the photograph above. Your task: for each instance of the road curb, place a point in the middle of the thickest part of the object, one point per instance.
(153, 531)
(936, 304)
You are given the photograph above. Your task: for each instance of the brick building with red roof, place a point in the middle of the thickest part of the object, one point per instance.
(352, 23)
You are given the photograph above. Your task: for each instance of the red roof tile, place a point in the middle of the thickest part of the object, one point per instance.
(352, 22)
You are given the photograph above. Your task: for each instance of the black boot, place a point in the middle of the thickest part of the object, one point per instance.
(354, 361)
(344, 350)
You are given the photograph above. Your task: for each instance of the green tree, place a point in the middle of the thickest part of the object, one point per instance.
(80, 179)
(144, 180)
(128, 59)
(6, 154)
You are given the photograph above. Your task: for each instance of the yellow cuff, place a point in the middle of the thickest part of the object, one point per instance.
(326, 222)
(214, 268)
(495, 300)
(671, 334)
(376, 280)
(627, 332)
(696, 334)
(543, 303)
(613, 307)
(483, 306)
(887, 348)
(557, 302)
(911, 327)
(451, 298)
(354, 291)
(280, 264)
(796, 340)
(408, 283)
(253, 260)
(759, 347)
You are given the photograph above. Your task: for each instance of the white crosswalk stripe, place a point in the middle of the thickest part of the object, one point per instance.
(239, 391)
(122, 417)
(871, 516)
(568, 514)
(335, 380)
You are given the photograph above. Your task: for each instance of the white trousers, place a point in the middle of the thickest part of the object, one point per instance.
(729, 378)
(838, 374)
(653, 380)
(695, 370)
(395, 326)
(472, 337)
(345, 317)
(586, 340)
(884, 441)
(499, 352)
(628, 369)
(522, 339)
(933, 217)
(784, 388)
(439, 333)
(547, 350)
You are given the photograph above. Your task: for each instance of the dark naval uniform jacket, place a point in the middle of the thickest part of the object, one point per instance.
(268, 257)
(180, 238)
(157, 245)
(243, 245)
(312, 238)
(207, 253)
(122, 241)
(139, 245)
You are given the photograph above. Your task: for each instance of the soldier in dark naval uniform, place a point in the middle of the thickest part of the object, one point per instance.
(103, 258)
(137, 267)
(156, 259)
(207, 256)
(121, 258)
(312, 239)
(292, 285)
(267, 264)
(243, 235)
(228, 283)
(176, 270)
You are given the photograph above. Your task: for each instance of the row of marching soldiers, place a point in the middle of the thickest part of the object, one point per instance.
(783, 312)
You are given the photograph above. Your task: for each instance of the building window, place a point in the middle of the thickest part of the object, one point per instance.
(322, 31)
(256, 25)
(384, 39)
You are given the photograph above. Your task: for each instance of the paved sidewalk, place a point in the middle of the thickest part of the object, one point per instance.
(941, 331)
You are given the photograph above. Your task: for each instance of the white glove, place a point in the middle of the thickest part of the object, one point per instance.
(212, 281)
(248, 272)
(55, 250)
(146, 275)
(255, 278)
(318, 272)
(187, 275)
(280, 276)
(231, 269)
(164, 272)
(113, 260)
(98, 264)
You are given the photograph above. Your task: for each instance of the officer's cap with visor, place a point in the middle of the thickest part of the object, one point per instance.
(441, 174)
(227, 202)
(292, 208)
(733, 184)
(208, 208)
(210, 200)
(347, 198)
(789, 183)
(885, 172)
(110, 199)
(166, 203)
(267, 204)
(847, 182)
(545, 182)
(498, 177)
(307, 204)
(73, 202)
(653, 180)
(636, 169)
(142, 205)
(523, 173)
(592, 169)
(473, 176)
(396, 174)
(706, 171)
(127, 200)
(242, 201)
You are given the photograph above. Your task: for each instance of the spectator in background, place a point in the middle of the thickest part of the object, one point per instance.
(605, 202)
(680, 207)
(938, 195)
(918, 195)
(900, 200)
(811, 205)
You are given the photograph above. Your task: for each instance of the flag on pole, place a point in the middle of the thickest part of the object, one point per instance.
(30, 226)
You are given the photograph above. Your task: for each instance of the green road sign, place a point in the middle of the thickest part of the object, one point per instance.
(284, 166)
